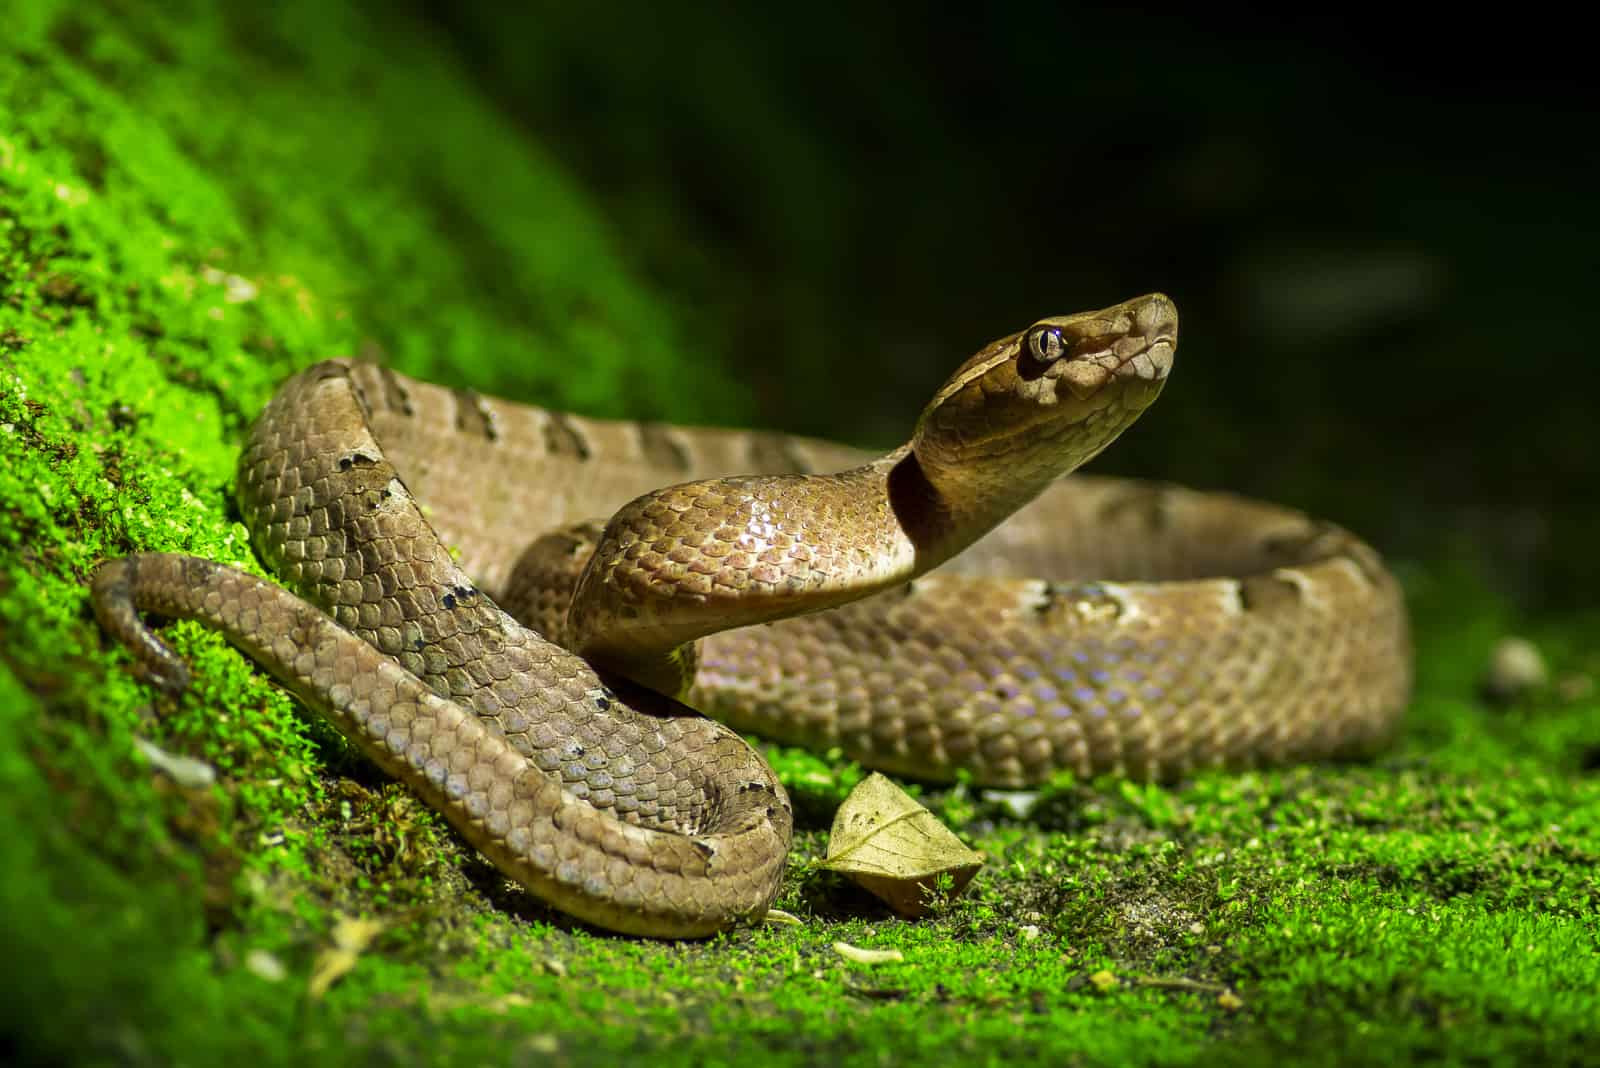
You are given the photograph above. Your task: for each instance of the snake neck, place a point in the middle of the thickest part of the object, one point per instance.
(940, 511)
(946, 499)
(951, 485)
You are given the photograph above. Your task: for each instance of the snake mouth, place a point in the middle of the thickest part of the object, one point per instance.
(1126, 344)
(1128, 360)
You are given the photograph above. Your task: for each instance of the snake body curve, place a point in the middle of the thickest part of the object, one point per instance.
(1175, 629)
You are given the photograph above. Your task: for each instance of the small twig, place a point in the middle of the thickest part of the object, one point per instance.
(1180, 983)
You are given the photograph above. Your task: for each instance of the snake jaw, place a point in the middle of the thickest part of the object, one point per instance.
(1084, 378)
(1134, 340)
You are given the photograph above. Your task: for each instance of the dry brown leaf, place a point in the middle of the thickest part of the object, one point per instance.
(897, 849)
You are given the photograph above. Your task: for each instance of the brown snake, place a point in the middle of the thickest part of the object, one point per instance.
(1176, 629)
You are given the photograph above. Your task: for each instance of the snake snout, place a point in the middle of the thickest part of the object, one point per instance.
(1156, 317)
(1145, 351)
(1157, 320)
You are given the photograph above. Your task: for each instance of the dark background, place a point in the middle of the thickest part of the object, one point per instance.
(1379, 230)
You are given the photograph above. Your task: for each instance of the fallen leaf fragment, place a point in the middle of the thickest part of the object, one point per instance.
(780, 918)
(187, 772)
(265, 965)
(893, 847)
(868, 956)
(351, 936)
(1104, 980)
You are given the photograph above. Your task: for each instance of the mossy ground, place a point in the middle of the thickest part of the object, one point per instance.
(182, 223)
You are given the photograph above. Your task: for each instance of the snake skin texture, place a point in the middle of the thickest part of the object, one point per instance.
(1109, 625)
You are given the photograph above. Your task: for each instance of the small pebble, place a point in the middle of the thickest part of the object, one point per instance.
(1515, 667)
(1020, 803)
(265, 965)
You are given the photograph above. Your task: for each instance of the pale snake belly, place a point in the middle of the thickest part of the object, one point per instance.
(1107, 626)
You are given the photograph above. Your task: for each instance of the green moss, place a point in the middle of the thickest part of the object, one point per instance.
(192, 205)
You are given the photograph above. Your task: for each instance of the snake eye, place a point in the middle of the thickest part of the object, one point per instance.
(1047, 345)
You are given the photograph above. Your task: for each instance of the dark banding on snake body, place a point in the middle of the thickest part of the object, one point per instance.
(775, 454)
(474, 416)
(1268, 593)
(394, 393)
(660, 447)
(561, 438)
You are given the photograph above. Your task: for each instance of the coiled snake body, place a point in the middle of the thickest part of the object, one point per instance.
(1108, 626)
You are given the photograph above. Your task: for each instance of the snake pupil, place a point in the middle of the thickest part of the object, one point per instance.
(1047, 345)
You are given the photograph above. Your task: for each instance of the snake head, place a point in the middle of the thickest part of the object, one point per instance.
(1127, 347)
(1030, 407)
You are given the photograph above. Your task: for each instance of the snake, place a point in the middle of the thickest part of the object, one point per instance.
(959, 607)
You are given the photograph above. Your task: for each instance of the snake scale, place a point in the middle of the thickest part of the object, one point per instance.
(1108, 626)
